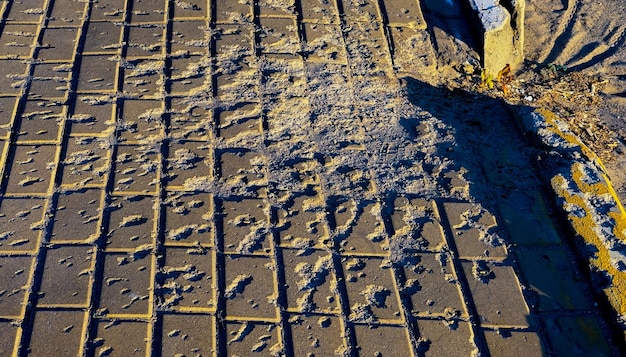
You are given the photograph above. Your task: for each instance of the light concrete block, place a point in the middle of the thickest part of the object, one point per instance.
(501, 30)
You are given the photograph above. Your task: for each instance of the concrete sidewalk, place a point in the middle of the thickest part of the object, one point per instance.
(267, 178)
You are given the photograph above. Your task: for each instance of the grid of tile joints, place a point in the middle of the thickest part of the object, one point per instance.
(151, 153)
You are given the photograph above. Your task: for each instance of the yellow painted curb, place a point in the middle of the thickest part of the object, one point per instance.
(582, 195)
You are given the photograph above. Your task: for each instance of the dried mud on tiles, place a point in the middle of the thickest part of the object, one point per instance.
(248, 178)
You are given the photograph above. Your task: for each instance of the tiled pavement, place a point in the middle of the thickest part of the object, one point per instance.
(170, 185)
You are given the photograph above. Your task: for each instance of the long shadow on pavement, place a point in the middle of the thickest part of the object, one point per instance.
(500, 164)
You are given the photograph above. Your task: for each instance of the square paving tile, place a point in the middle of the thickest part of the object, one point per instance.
(405, 13)
(140, 119)
(474, 231)
(8, 105)
(187, 279)
(68, 13)
(412, 51)
(233, 39)
(32, 169)
(250, 287)
(190, 122)
(366, 232)
(317, 335)
(324, 103)
(367, 49)
(302, 222)
(416, 225)
(377, 340)
(299, 177)
(148, 11)
(112, 10)
(21, 221)
(14, 76)
(29, 11)
(361, 10)
(145, 40)
(229, 12)
(244, 120)
(528, 220)
(67, 276)
(92, 115)
(192, 9)
(49, 80)
(143, 78)
(190, 36)
(283, 76)
(241, 166)
(188, 159)
(187, 335)
(190, 75)
(246, 226)
(252, 339)
(497, 294)
(14, 276)
(188, 219)
(126, 284)
(40, 120)
(120, 337)
(85, 161)
(553, 275)
(8, 330)
(136, 169)
(324, 12)
(279, 35)
(445, 338)
(103, 37)
(238, 82)
(130, 221)
(324, 43)
(18, 40)
(269, 8)
(514, 344)
(57, 325)
(433, 287)
(281, 126)
(371, 290)
(350, 180)
(77, 216)
(311, 281)
(344, 213)
(58, 44)
(97, 74)
(577, 335)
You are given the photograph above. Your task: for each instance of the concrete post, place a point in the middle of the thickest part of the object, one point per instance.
(501, 29)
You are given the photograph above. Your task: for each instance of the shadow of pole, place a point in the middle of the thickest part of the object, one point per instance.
(503, 169)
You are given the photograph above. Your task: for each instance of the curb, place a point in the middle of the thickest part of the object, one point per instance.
(585, 194)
